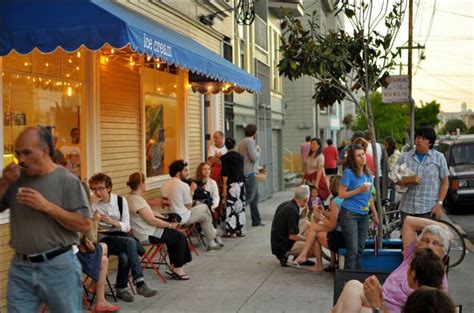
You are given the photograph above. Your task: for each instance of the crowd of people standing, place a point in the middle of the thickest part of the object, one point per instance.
(302, 226)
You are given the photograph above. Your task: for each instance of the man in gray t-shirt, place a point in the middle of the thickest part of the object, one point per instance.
(48, 207)
(251, 153)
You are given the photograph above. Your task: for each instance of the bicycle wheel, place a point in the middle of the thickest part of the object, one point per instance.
(457, 251)
(326, 253)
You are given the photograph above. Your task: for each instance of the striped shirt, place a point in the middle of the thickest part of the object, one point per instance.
(420, 199)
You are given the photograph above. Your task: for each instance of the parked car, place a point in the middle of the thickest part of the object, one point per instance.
(459, 153)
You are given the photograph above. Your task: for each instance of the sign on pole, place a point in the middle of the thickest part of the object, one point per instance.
(397, 89)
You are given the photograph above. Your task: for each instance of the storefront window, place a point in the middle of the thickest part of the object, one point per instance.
(163, 87)
(45, 90)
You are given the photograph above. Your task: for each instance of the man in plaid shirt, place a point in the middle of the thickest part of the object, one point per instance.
(425, 199)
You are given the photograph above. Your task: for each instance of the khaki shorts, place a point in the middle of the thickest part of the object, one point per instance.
(296, 249)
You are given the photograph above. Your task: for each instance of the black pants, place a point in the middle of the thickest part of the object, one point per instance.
(404, 216)
(178, 249)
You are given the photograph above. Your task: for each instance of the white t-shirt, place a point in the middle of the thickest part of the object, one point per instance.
(111, 209)
(178, 194)
(68, 149)
(141, 229)
(211, 186)
(213, 150)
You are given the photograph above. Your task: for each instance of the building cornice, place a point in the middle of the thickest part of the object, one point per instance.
(194, 23)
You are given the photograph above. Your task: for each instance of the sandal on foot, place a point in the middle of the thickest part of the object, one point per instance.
(308, 263)
(177, 276)
(329, 269)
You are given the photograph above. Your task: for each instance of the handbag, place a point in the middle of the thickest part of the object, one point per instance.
(261, 175)
(323, 189)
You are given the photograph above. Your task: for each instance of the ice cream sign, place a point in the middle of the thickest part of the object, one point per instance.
(156, 46)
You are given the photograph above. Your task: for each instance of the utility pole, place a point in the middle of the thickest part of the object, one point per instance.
(410, 65)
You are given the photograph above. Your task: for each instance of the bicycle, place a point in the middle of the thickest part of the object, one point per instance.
(457, 248)
(392, 229)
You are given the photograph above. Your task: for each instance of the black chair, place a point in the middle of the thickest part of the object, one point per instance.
(341, 277)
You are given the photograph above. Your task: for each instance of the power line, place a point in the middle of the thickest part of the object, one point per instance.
(444, 97)
(454, 13)
(454, 75)
(446, 82)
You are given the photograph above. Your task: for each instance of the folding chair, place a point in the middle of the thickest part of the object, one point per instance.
(88, 296)
(148, 259)
(187, 229)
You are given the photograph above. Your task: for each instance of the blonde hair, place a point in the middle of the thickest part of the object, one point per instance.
(199, 170)
(361, 141)
(334, 184)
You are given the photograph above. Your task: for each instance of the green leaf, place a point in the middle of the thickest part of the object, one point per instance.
(349, 13)
(293, 65)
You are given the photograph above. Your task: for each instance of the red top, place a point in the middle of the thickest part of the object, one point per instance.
(330, 156)
(370, 162)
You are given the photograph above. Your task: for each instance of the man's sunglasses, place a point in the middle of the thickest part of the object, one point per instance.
(355, 147)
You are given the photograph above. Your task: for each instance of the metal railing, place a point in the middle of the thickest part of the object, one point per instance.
(289, 159)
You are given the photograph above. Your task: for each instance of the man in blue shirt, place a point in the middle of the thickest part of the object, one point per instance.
(425, 199)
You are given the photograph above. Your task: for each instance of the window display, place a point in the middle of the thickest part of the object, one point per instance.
(44, 90)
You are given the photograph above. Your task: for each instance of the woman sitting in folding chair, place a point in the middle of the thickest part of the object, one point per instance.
(95, 263)
(151, 226)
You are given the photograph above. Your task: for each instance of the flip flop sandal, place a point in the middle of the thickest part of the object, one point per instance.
(176, 276)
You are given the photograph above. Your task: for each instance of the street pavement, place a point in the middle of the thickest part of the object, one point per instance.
(245, 277)
(464, 217)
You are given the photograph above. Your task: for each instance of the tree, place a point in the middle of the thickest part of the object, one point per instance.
(344, 63)
(453, 125)
(471, 130)
(347, 121)
(389, 119)
(427, 114)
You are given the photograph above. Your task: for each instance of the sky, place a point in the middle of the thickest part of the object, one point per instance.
(446, 29)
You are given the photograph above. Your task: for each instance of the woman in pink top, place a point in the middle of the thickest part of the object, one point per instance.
(396, 289)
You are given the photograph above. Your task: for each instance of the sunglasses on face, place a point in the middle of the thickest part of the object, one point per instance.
(355, 147)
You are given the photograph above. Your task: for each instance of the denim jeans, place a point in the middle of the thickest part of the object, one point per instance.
(251, 193)
(57, 283)
(354, 228)
(125, 248)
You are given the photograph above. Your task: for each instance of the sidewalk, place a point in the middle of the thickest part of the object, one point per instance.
(245, 277)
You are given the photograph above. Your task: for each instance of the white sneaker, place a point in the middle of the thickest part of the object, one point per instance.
(213, 246)
(219, 241)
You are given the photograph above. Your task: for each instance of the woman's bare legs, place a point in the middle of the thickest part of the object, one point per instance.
(100, 284)
(321, 240)
(352, 299)
(308, 245)
(309, 249)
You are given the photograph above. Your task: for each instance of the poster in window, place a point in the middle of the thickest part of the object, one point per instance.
(155, 140)
(20, 119)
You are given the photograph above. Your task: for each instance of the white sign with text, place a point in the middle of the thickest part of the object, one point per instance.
(397, 89)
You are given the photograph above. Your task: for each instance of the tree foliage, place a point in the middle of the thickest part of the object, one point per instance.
(348, 120)
(427, 114)
(389, 119)
(343, 63)
(453, 125)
